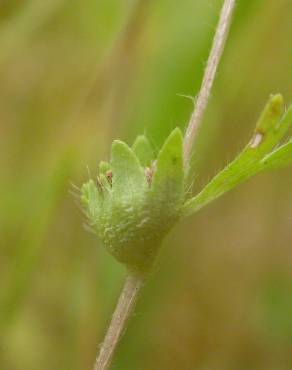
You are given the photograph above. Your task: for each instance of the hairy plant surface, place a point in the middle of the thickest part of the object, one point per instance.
(136, 199)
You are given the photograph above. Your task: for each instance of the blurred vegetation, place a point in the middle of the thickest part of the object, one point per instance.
(73, 76)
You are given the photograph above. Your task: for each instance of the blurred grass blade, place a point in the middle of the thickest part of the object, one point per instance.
(29, 247)
(15, 33)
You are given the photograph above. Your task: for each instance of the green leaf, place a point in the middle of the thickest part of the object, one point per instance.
(254, 158)
(168, 178)
(143, 150)
(270, 128)
(281, 157)
(129, 180)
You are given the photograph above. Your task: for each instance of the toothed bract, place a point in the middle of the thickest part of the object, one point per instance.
(137, 200)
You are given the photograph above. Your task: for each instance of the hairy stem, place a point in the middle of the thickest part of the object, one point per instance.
(133, 284)
(209, 75)
(119, 321)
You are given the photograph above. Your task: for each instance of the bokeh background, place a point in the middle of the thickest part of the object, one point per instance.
(73, 76)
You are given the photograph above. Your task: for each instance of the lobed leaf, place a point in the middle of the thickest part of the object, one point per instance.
(255, 158)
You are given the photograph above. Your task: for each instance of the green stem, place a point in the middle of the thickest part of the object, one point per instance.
(133, 284)
(209, 76)
(119, 321)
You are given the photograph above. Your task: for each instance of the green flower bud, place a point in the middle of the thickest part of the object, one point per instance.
(136, 199)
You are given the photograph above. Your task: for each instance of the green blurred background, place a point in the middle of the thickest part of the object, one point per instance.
(73, 76)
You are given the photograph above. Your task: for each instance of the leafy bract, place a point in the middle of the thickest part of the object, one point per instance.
(256, 157)
(136, 200)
